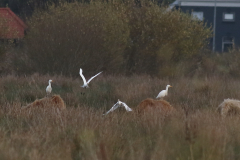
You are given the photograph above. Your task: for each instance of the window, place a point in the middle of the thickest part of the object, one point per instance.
(197, 15)
(227, 43)
(228, 17)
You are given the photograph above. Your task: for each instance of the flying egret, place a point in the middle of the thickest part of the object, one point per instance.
(163, 93)
(119, 104)
(85, 83)
(49, 88)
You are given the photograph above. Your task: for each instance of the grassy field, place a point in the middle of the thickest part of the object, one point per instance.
(196, 131)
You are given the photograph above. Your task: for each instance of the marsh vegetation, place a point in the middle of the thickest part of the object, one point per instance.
(140, 48)
(196, 131)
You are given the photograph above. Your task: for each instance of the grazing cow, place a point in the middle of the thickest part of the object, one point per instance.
(151, 105)
(54, 101)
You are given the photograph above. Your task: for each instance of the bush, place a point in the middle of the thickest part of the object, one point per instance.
(5, 43)
(71, 36)
(221, 64)
(162, 40)
(115, 37)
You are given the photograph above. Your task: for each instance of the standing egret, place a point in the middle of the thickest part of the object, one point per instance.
(163, 93)
(85, 83)
(119, 104)
(49, 88)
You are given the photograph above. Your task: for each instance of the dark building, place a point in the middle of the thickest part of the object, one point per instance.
(222, 15)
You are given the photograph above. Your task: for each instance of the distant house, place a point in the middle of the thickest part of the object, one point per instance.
(11, 26)
(222, 15)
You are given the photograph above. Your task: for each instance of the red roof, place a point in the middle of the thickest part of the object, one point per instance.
(11, 26)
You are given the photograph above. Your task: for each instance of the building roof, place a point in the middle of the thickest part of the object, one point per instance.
(11, 26)
(7, 11)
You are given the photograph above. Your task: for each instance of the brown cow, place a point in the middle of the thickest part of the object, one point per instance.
(151, 105)
(54, 101)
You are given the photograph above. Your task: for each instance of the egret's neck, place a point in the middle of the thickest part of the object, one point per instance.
(167, 88)
(49, 84)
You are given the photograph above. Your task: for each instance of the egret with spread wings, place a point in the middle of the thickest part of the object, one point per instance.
(119, 104)
(85, 83)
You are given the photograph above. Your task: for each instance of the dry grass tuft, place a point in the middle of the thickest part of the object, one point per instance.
(54, 101)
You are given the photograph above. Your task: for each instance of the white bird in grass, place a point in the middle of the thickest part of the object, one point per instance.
(85, 83)
(119, 104)
(163, 93)
(49, 88)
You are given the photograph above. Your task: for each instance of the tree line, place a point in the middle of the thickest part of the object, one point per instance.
(116, 37)
(25, 8)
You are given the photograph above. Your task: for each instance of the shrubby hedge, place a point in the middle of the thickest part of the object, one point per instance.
(76, 35)
(222, 64)
(5, 44)
(116, 37)
(162, 40)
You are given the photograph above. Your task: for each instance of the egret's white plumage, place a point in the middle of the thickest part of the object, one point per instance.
(163, 93)
(85, 83)
(49, 87)
(119, 104)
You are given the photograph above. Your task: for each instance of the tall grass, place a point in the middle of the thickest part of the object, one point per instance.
(196, 131)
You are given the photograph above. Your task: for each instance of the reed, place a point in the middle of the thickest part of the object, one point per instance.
(195, 131)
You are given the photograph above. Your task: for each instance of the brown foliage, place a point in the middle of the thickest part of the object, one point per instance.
(55, 101)
(151, 105)
(116, 37)
(85, 35)
(81, 132)
(159, 51)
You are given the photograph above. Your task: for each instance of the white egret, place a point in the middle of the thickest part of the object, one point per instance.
(119, 104)
(85, 83)
(163, 93)
(49, 87)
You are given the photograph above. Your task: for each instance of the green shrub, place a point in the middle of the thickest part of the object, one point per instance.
(160, 40)
(75, 35)
(115, 37)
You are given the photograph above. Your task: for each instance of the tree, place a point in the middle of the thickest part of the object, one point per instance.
(117, 37)
(76, 35)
